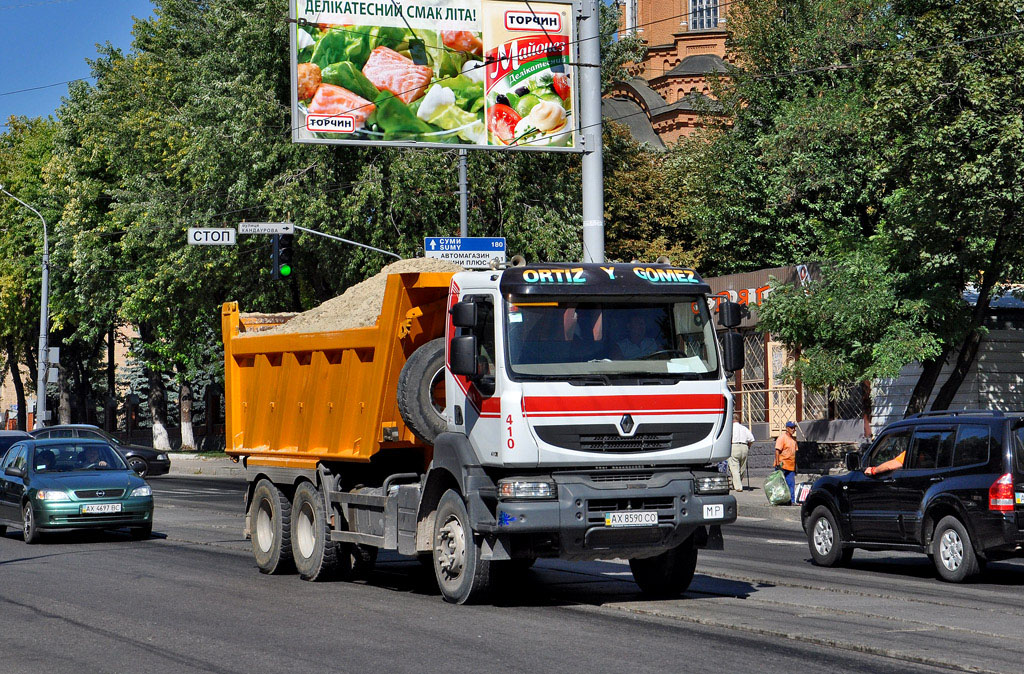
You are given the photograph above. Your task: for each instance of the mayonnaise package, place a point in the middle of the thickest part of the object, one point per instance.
(528, 83)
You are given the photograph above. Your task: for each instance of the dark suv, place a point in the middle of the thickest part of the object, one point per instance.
(958, 497)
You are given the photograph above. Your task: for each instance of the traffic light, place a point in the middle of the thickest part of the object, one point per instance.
(284, 255)
(274, 250)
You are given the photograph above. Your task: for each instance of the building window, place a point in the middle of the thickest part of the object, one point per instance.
(703, 14)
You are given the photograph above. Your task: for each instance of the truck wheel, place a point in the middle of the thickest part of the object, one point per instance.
(461, 575)
(668, 574)
(421, 391)
(316, 556)
(952, 551)
(270, 519)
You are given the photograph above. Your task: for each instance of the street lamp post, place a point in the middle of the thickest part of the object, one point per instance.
(44, 320)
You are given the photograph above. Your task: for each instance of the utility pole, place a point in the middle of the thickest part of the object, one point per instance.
(463, 194)
(44, 320)
(590, 123)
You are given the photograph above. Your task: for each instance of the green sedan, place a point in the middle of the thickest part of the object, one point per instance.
(71, 484)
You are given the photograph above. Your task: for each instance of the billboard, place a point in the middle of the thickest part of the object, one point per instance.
(482, 74)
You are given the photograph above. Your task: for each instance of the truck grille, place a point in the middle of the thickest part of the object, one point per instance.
(99, 493)
(621, 477)
(606, 438)
(641, 442)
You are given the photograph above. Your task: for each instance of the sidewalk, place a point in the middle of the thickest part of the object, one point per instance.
(751, 502)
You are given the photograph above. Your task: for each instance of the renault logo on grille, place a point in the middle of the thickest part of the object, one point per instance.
(626, 423)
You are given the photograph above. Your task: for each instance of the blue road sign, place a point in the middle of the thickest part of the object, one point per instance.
(470, 252)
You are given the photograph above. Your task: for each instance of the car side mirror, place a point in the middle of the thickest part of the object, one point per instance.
(464, 315)
(462, 354)
(730, 315)
(732, 351)
(14, 472)
(852, 461)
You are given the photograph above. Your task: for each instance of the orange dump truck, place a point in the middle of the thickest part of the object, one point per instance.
(487, 419)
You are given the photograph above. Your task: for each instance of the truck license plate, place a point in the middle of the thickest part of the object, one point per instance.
(94, 508)
(714, 511)
(631, 518)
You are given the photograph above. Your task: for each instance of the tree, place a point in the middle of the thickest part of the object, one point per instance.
(950, 117)
(24, 149)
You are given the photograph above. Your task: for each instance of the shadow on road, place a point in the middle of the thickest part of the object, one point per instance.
(83, 536)
(1006, 573)
(550, 583)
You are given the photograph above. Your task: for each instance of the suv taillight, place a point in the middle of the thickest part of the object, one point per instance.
(1000, 494)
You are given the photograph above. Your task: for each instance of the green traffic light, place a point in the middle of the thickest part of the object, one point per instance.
(285, 270)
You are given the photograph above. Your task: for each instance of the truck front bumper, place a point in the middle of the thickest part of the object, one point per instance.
(580, 515)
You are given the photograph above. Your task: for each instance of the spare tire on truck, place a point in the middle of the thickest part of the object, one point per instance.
(421, 391)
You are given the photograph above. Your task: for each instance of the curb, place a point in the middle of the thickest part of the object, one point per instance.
(189, 465)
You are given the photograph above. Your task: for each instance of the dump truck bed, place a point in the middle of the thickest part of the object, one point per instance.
(294, 399)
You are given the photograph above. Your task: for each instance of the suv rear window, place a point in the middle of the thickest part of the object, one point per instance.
(932, 448)
(1018, 447)
(971, 445)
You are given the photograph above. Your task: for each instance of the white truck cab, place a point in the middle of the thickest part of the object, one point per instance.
(588, 403)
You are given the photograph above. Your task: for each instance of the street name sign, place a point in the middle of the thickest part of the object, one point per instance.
(266, 228)
(472, 252)
(211, 236)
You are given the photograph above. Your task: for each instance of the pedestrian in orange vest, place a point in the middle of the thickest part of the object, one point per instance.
(785, 456)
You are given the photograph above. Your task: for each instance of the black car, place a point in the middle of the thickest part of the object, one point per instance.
(958, 497)
(8, 438)
(145, 461)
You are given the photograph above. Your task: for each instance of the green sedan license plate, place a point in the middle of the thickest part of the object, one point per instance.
(101, 508)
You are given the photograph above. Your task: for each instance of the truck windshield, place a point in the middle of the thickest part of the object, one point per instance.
(606, 338)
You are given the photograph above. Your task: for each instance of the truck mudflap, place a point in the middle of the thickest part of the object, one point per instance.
(600, 520)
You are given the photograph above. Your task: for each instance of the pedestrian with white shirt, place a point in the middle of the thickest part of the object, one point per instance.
(742, 439)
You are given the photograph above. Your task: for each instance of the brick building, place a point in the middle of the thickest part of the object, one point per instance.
(669, 92)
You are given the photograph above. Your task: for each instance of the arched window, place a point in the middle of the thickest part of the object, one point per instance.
(703, 14)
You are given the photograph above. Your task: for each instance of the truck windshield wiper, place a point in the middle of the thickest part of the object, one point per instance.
(589, 380)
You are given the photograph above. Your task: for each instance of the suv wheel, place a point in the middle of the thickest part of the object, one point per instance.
(824, 540)
(952, 551)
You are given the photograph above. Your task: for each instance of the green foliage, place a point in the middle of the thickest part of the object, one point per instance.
(617, 50)
(24, 150)
(882, 137)
(853, 324)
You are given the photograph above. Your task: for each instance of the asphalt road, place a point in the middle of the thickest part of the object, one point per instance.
(191, 600)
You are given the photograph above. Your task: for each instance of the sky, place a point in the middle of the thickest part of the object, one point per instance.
(47, 41)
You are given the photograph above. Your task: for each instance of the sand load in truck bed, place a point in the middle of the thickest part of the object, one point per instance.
(360, 305)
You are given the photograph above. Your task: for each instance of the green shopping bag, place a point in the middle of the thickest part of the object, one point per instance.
(776, 489)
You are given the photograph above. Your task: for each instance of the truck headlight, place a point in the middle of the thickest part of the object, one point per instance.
(516, 488)
(713, 484)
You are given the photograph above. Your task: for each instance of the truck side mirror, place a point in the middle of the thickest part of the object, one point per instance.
(732, 351)
(852, 461)
(464, 315)
(14, 472)
(730, 315)
(462, 352)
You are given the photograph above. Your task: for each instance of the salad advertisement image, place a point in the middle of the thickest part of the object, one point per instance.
(485, 74)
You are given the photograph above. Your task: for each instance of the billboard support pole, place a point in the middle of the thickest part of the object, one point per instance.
(463, 194)
(590, 124)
